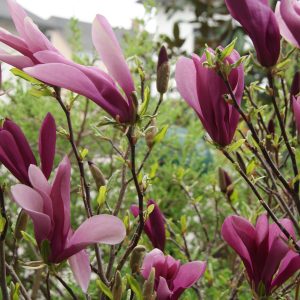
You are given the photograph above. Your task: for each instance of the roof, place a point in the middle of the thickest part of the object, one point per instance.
(42, 24)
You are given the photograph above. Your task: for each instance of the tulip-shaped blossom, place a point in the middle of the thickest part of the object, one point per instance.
(295, 87)
(154, 225)
(296, 110)
(16, 154)
(204, 90)
(91, 81)
(263, 248)
(48, 205)
(171, 278)
(288, 17)
(259, 21)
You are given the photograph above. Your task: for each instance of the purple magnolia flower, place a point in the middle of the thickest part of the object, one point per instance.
(295, 87)
(48, 205)
(16, 154)
(268, 260)
(91, 81)
(288, 18)
(259, 21)
(154, 226)
(296, 110)
(203, 89)
(171, 278)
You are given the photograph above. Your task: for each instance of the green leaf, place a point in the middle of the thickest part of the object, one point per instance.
(233, 147)
(45, 250)
(83, 153)
(104, 289)
(227, 50)
(134, 285)
(101, 195)
(27, 237)
(160, 135)
(34, 265)
(183, 224)
(250, 167)
(16, 292)
(2, 223)
(23, 75)
(145, 104)
(153, 170)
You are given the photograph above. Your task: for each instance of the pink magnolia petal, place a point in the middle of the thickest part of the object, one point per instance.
(80, 266)
(111, 54)
(296, 110)
(18, 15)
(163, 292)
(185, 76)
(60, 195)
(47, 142)
(284, 30)
(38, 180)
(32, 203)
(35, 39)
(18, 61)
(151, 259)
(104, 229)
(189, 274)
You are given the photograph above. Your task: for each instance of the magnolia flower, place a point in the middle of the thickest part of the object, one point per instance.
(264, 251)
(295, 87)
(204, 90)
(91, 81)
(154, 226)
(259, 21)
(48, 205)
(288, 18)
(16, 154)
(171, 278)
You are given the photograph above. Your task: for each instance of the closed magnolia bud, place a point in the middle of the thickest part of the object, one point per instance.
(21, 224)
(225, 182)
(163, 71)
(151, 133)
(136, 258)
(97, 175)
(148, 287)
(117, 288)
(271, 127)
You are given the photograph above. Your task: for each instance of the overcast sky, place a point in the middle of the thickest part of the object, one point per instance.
(118, 12)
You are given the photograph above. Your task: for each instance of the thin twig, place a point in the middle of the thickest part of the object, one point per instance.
(70, 291)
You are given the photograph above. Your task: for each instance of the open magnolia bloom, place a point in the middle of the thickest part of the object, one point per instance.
(264, 250)
(40, 59)
(16, 154)
(48, 205)
(171, 278)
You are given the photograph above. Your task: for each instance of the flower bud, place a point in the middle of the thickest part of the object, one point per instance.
(271, 127)
(97, 175)
(225, 182)
(117, 288)
(163, 71)
(151, 133)
(148, 287)
(136, 258)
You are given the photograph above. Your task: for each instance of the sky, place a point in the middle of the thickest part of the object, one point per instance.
(118, 12)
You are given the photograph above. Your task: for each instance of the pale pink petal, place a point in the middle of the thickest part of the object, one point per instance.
(151, 259)
(32, 203)
(80, 266)
(105, 229)
(38, 180)
(163, 292)
(111, 54)
(185, 76)
(18, 61)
